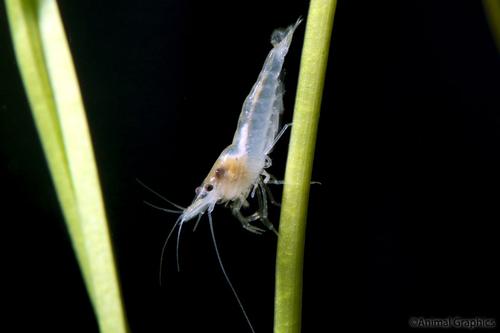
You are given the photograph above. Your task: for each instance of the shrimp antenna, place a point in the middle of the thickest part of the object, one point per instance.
(165, 246)
(225, 274)
(197, 221)
(177, 247)
(159, 195)
(162, 209)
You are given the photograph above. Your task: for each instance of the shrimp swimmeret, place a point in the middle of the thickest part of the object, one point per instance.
(240, 169)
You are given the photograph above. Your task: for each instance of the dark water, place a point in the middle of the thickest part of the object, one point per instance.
(408, 154)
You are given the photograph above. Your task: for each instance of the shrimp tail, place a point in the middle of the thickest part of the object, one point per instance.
(284, 35)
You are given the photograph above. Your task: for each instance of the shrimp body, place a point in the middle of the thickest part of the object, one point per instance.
(240, 166)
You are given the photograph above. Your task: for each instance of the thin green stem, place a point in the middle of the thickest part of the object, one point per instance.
(289, 262)
(49, 78)
(492, 11)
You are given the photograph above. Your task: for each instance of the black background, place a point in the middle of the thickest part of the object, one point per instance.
(408, 155)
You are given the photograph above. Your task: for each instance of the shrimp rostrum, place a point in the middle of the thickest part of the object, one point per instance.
(240, 168)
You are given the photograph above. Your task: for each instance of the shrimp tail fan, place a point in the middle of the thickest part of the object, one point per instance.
(280, 35)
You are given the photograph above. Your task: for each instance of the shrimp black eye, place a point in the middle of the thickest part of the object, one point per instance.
(209, 187)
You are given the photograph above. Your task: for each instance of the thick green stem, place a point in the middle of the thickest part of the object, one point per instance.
(289, 262)
(49, 78)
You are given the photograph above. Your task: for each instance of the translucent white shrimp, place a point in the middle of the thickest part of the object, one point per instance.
(240, 167)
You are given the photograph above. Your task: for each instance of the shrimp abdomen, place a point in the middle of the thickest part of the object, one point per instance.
(259, 120)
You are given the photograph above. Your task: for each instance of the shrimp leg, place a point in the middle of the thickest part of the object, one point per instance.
(271, 196)
(278, 137)
(262, 199)
(245, 221)
(261, 214)
(262, 192)
(270, 179)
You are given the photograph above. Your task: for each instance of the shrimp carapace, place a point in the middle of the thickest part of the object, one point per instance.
(228, 175)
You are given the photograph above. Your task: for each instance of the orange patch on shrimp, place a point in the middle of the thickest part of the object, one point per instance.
(230, 175)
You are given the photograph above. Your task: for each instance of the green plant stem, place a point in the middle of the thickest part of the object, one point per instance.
(492, 11)
(49, 78)
(289, 262)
